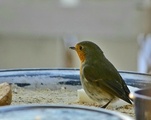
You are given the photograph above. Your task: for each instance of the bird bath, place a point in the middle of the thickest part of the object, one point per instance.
(56, 79)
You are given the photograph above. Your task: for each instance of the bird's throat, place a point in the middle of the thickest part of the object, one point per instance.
(82, 57)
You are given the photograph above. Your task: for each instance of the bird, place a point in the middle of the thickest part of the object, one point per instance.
(99, 78)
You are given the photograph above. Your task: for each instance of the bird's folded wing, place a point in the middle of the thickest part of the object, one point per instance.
(90, 73)
(113, 87)
(106, 79)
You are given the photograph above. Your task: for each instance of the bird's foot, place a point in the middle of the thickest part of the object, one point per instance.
(104, 106)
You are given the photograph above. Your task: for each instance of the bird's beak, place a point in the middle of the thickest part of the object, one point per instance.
(73, 48)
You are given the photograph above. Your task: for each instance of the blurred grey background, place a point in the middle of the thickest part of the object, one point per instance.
(38, 33)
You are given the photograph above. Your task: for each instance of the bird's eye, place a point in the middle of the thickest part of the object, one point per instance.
(80, 47)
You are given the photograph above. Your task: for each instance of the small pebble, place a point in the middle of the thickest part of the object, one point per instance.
(15, 91)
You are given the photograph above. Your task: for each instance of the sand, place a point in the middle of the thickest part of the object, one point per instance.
(63, 96)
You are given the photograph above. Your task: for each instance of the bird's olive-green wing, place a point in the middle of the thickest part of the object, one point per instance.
(105, 76)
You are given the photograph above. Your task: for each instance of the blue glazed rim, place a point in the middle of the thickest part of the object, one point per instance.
(63, 76)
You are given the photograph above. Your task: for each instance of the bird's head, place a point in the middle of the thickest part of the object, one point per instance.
(87, 50)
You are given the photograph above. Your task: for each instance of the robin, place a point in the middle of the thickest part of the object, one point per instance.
(99, 78)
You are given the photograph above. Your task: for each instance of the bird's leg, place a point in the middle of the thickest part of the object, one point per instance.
(104, 106)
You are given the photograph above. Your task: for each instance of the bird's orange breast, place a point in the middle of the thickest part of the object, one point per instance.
(81, 56)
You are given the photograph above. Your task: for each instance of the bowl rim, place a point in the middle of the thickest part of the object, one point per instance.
(78, 107)
(67, 75)
(75, 69)
(136, 94)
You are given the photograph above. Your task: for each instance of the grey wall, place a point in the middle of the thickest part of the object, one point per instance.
(31, 32)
